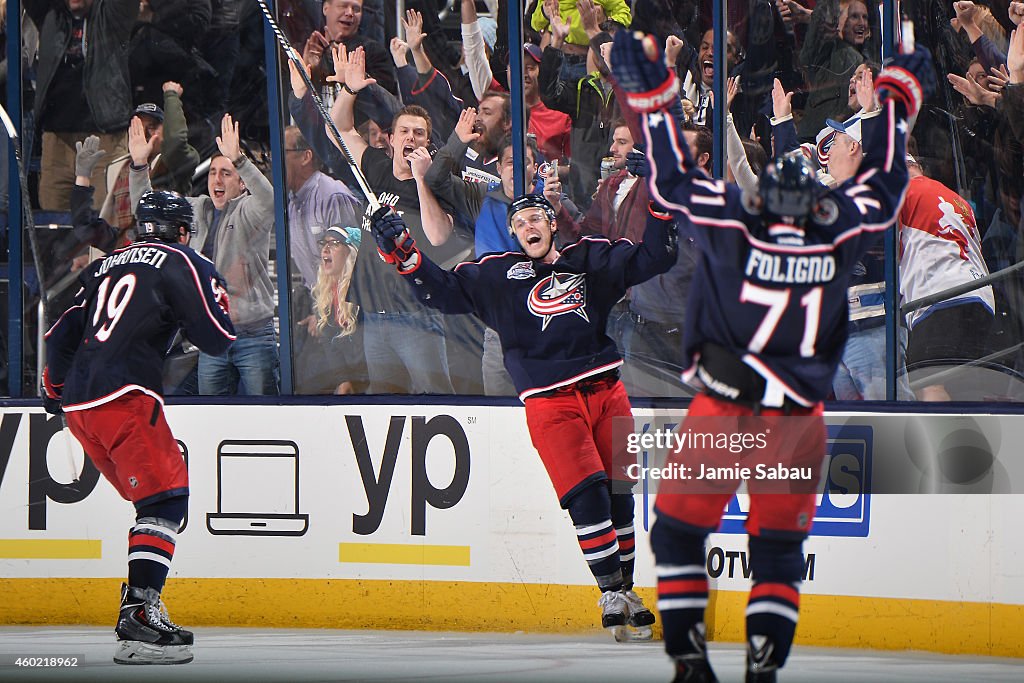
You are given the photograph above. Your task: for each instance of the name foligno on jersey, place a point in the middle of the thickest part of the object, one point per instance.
(149, 255)
(790, 268)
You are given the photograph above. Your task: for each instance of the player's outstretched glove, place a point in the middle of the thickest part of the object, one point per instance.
(394, 243)
(909, 78)
(51, 394)
(639, 69)
(637, 164)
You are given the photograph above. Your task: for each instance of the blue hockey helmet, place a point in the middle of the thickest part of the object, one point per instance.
(160, 215)
(529, 201)
(788, 186)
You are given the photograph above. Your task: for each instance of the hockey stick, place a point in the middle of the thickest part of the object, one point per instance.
(68, 436)
(371, 198)
(26, 210)
(30, 226)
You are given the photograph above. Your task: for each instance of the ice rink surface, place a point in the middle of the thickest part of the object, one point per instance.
(226, 655)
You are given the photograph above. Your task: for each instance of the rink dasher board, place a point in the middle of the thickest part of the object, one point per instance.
(455, 526)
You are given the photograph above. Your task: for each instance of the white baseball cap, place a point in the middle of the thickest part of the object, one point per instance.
(850, 126)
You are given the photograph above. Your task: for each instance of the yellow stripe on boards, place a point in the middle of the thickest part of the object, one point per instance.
(970, 628)
(50, 549)
(974, 628)
(401, 553)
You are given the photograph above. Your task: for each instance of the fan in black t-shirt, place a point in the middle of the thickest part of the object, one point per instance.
(404, 342)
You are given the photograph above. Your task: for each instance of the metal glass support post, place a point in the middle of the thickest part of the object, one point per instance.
(399, 15)
(889, 19)
(721, 39)
(516, 11)
(15, 238)
(275, 113)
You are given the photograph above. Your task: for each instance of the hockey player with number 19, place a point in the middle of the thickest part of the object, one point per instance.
(764, 332)
(104, 362)
(550, 309)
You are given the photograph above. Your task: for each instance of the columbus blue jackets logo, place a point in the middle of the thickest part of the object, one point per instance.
(558, 294)
(826, 212)
(220, 296)
(521, 271)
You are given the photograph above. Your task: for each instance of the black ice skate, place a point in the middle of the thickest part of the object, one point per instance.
(614, 613)
(146, 634)
(761, 667)
(639, 620)
(694, 669)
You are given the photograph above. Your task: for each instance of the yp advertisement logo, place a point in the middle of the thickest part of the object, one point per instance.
(844, 506)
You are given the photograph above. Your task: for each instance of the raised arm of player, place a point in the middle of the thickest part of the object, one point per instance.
(650, 88)
(876, 193)
(676, 182)
(629, 264)
(668, 154)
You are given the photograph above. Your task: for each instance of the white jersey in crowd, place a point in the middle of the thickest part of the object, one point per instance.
(939, 247)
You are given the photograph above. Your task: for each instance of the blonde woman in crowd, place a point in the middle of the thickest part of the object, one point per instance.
(329, 349)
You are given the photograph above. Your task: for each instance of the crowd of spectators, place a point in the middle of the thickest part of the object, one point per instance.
(128, 95)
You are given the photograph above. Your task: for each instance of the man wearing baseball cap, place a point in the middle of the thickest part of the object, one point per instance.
(151, 111)
(552, 128)
(845, 152)
(172, 161)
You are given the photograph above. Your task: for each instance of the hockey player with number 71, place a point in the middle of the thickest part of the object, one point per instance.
(765, 328)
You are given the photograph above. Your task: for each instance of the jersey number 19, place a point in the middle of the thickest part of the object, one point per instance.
(109, 310)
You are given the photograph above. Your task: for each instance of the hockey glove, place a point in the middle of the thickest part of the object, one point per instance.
(636, 163)
(908, 78)
(655, 208)
(640, 70)
(394, 243)
(51, 395)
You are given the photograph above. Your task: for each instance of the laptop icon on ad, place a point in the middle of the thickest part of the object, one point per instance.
(257, 490)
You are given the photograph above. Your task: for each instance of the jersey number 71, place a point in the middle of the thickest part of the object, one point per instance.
(777, 300)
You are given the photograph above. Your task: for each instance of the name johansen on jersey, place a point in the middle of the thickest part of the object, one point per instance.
(153, 256)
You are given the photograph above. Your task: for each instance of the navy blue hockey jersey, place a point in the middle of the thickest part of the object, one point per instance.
(775, 295)
(551, 318)
(131, 304)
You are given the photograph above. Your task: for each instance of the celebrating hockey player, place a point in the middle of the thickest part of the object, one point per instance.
(104, 361)
(549, 308)
(765, 328)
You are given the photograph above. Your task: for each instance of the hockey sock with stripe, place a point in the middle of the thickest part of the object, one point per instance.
(774, 603)
(150, 550)
(622, 518)
(682, 587)
(152, 540)
(590, 510)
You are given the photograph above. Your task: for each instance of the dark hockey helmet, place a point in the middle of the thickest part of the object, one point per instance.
(788, 187)
(160, 214)
(529, 201)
